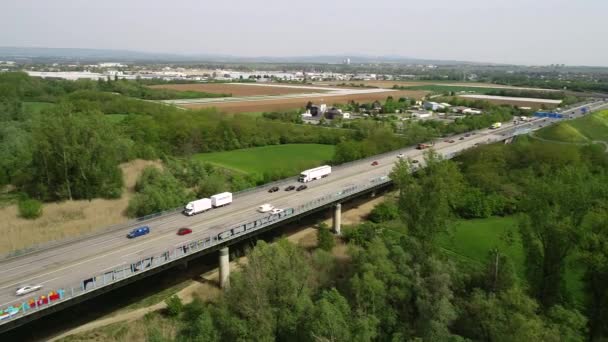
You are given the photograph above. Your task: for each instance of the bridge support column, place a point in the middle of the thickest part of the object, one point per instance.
(373, 194)
(337, 218)
(224, 268)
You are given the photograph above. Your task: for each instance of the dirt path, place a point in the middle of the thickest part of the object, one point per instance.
(206, 287)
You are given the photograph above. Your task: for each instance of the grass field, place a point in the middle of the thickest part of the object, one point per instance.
(291, 158)
(36, 107)
(594, 127)
(585, 129)
(116, 118)
(472, 240)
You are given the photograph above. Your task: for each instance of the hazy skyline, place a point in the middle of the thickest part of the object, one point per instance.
(516, 32)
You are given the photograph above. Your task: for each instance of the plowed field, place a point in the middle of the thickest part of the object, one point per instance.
(238, 89)
(289, 104)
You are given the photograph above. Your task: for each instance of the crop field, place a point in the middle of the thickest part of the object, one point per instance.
(271, 105)
(237, 89)
(422, 84)
(516, 101)
(290, 158)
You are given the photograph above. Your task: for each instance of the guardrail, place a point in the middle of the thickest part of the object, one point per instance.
(108, 278)
(132, 223)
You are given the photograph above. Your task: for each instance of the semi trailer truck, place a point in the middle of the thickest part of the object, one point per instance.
(197, 207)
(221, 200)
(313, 174)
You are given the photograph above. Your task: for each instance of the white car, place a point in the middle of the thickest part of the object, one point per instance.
(276, 211)
(28, 289)
(264, 208)
(401, 155)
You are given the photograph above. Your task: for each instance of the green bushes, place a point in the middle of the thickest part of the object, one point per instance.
(174, 306)
(383, 212)
(157, 191)
(30, 208)
(325, 237)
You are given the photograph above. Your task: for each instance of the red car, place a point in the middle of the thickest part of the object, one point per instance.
(375, 163)
(184, 231)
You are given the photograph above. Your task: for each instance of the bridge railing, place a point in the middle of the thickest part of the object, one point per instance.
(121, 273)
(112, 276)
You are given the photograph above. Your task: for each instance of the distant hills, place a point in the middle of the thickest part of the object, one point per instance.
(75, 54)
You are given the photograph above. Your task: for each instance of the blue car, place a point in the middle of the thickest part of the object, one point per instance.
(138, 232)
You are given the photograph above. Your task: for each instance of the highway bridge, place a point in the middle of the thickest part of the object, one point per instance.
(74, 271)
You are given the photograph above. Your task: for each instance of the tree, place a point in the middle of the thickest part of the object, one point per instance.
(551, 228)
(594, 255)
(325, 237)
(330, 318)
(383, 212)
(74, 156)
(272, 292)
(426, 200)
(156, 191)
(508, 316)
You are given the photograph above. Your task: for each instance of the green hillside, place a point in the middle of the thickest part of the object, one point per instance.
(586, 129)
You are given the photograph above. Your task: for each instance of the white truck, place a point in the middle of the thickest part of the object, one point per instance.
(197, 207)
(220, 200)
(313, 174)
(496, 125)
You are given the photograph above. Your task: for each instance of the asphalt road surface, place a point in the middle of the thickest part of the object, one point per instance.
(65, 266)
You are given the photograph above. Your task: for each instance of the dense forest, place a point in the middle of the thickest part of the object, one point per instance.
(397, 284)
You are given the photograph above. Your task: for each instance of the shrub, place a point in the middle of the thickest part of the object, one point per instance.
(325, 237)
(174, 306)
(383, 212)
(30, 208)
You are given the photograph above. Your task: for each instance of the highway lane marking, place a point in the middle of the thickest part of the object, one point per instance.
(23, 298)
(139, 251)
(29, 262)
(86, 261)
(170, 220)
(173, 219)
(113, 267)
(325, 184)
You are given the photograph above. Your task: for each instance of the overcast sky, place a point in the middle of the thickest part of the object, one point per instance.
(572, 32)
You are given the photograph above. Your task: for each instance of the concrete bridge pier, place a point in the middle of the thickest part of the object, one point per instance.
(224, 268)
(337, 218)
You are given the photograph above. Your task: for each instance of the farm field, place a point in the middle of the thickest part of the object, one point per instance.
(236, 89)
(290, 159)
(516, 101)
(390, 84)
(295, 103)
